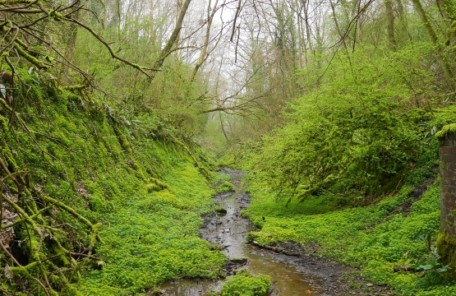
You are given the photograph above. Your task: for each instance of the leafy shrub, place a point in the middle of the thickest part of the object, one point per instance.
(355, 135)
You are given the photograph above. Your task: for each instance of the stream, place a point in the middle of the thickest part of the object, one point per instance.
(229, 230)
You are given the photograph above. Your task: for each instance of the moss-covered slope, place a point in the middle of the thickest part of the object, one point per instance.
(95, 203)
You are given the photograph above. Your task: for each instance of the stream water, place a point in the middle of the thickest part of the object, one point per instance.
(229, 230)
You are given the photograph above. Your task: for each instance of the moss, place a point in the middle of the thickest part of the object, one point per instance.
(246, 284)
(445, 131)
(3, 123)
(222, 182)
(19, 47)
(74, 87)
(84, 170)
(226, 186)
(124, 143)
(10, 160)
(155, 185)
(446, 247)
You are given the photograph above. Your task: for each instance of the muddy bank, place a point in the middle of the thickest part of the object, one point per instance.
(293, 270)
(333, 279)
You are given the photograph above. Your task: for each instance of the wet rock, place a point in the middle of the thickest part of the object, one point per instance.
(233, 265)
(239, 260)
(221, 211)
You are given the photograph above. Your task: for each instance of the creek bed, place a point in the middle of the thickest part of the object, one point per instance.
(229, 229)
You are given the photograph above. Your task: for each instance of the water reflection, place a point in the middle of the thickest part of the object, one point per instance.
(288, 281)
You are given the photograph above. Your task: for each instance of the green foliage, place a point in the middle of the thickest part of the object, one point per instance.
(173, 96)
(244, 284)
(222, 182)
(354, 135)
(154, 235)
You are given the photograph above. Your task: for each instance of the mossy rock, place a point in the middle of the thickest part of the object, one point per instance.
(226, 186)
(246, 284)
(221, 211)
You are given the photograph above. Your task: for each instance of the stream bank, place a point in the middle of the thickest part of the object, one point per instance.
(293, 271)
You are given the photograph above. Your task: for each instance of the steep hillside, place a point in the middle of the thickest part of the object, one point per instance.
(93, 202)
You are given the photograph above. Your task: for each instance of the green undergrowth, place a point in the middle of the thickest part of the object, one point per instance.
(222, 182)
(245, 284)
(146, 187)
(378, 239)
(152, 238)
(390, 235)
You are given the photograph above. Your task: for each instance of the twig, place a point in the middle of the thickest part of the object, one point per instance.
(23, 268)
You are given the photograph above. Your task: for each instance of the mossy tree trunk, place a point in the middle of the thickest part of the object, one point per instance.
(446, 242)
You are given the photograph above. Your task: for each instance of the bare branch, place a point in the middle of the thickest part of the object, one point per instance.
(113, 55)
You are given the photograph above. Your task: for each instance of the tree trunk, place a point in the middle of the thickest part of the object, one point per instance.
(446, 242)
(173, 39)
(447, 71)
(204, 52)
(390, 27)
(338, 29)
